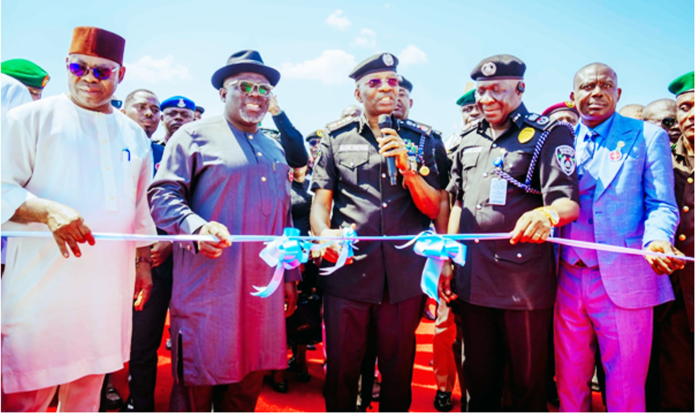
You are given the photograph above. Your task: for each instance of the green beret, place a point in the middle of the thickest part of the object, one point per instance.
(467, 99)
(29, 73)
(684, 83)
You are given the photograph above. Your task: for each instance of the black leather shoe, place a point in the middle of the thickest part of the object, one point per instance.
(281, 387)
(111, 399)
(304, 377)
(443, 401)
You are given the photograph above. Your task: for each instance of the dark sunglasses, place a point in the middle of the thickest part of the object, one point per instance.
(116, 103)
(376, 83)
(313, 142)
(668, 122)
(247, 87)
(100, 72)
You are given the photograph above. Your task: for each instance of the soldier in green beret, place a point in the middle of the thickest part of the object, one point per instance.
(672, 362)
(27, 72)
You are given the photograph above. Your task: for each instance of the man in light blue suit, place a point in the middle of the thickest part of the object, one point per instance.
(626, 199)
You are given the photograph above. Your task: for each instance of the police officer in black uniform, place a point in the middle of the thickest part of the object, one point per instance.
(380, 291)
(514, 173)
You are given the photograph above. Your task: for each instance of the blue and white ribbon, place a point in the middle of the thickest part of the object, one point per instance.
(285, 252)
(347, 246)
(436, 249)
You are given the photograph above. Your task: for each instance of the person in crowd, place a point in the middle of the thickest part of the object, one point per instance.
(379, 294)
(143, 107)
(663, 113)
(60, 328)
(313, 139)
(506, 289)
(564, 112)
(606, 298)
(672, 364)
(634, 111)
(198, 113)
(202, 187)
(177, 111)
(29, 73)
(14, 93)
(470, 114)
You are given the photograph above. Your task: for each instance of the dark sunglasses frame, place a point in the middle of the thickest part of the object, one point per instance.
(99, 72)
(376, 83)
(256, 86)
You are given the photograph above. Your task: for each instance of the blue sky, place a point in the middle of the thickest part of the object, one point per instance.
(174, 47)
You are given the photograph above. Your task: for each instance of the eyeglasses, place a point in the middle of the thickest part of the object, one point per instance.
(376, 83)
(116, 103)
(668, 122)
(100, 72)
(247, 87)
(313, 142)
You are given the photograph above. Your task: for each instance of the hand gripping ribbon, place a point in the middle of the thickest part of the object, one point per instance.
(346, 253)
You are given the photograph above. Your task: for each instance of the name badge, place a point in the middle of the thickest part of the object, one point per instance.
(352, 148)
(498, 193)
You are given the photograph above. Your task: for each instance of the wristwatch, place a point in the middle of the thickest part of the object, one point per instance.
(551, 214)
(413, 169)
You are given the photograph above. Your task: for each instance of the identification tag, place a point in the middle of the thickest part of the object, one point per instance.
(498, 192)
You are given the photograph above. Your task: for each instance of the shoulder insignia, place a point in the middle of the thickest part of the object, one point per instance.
(416, 126)
(341, 123)
(538, 121)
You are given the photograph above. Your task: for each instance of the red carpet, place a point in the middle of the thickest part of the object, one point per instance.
(308, 396)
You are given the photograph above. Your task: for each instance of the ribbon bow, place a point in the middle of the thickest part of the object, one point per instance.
(436, 249)
(346, 253)
(285, 252)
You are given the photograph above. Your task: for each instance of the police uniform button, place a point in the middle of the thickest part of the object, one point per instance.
(494, 145)
(352, 164)
(690, 180)
(682, 237)
(384, 205)
(263, 179)
(478, 206)
(685, 209)
(519, 255)
(485, 175)
(384, 175)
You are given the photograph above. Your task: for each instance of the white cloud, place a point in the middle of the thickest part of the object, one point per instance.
(150, 70)
(367, 38)
(412, 56)
(338, 20)
(331, 68)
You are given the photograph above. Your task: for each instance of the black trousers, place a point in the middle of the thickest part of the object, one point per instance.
(148, 326)
(348, 324)
(670, 384)
(496, 337)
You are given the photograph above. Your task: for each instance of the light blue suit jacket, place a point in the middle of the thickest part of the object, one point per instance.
(633, 205)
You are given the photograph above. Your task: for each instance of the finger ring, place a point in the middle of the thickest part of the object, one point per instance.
(537, 234)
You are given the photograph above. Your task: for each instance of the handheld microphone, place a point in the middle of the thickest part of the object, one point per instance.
(385, 121)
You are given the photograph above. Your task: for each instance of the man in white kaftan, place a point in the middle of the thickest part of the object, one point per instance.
(67, 320)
